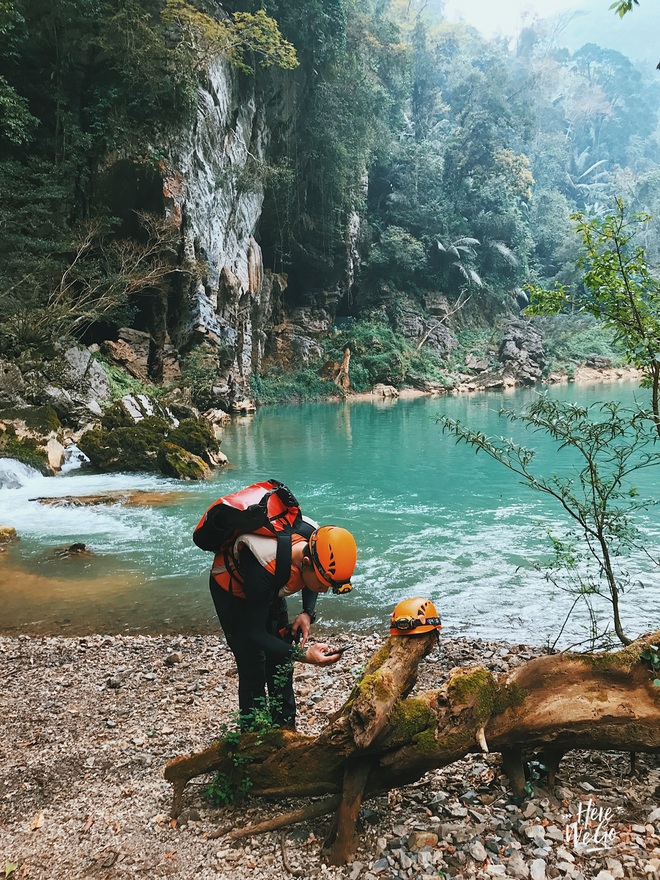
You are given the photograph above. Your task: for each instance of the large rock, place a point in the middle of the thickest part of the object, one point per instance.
(131, 351)
(138, 434)
(7, 535)
(521, 352)
(439, 339)
(428, 332)
(521, 356)
(181, 464)
(86, 378)
(32, 435)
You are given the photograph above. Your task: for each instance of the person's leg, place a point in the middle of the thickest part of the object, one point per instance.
(250, 662)
(279, 675)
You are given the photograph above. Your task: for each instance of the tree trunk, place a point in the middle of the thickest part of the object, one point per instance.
(382, 738)
(342, 379)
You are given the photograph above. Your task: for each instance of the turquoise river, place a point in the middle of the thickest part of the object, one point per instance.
(430, 519)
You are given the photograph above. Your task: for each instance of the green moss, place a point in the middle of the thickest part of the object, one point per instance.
(174, 461)
(411, 720)
(133, 448)
(510, 696)
(425, 741)
(25, 450)
(381, 655)
(624, 659)
(368, 682)
(196, 436)
(152, 444)
(371, 686)
(476, 688)
(117, 417)
(42, 419)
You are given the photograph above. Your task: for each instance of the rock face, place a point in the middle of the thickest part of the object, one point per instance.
(521, 352)
(73, 384)
(429, 331)
(521, 360)
(33, 436)
(214, 191)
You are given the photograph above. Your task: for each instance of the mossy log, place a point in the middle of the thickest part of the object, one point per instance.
(382, 738)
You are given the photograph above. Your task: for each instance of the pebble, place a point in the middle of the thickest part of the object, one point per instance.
(537, 870)
(517, 866)
(477, 850)
(419, 839)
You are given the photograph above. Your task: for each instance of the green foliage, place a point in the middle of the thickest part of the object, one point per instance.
(378, 354)
(239, 736)
(624, 6)
(121, 381)
(205, 37)
(606, 446)
(201, 369)
(347, 97)
(398, 256)
(571, 339)
(652, 656)
(17, 124)
(299, 386)
(619, 289)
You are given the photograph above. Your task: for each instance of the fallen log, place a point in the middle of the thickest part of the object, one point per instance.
(382, 738)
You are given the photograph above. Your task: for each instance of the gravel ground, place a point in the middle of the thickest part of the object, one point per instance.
(89, 723)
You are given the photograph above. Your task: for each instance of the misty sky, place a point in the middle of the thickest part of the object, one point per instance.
(503, 16)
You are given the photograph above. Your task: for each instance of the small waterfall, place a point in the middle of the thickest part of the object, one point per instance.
(14, 474)
(73, 459)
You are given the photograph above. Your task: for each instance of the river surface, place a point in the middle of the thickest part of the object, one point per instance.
(430, 519)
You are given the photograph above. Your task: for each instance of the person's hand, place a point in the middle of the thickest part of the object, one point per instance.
(319, 656)
(301, 623)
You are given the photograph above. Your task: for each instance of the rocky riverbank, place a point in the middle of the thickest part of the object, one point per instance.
(89, 723)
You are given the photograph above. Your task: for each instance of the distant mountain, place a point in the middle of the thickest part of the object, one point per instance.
(635, 35)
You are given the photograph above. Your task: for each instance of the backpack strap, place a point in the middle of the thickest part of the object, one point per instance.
(284, 552)
(283, 560)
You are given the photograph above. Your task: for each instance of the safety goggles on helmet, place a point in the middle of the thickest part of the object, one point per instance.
(340, 589)
(408, 623)
(413, 617)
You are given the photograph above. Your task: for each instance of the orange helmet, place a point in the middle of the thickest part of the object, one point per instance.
(413, 617)
(334, 553)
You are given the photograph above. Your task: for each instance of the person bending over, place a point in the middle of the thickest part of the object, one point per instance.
(253, 612)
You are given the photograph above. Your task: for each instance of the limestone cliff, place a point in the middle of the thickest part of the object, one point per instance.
(213, 190)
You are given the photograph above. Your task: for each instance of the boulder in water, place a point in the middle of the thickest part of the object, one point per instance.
(7, 536)
(77, 549)
(133, 432)
(174, 461)
(381, 390)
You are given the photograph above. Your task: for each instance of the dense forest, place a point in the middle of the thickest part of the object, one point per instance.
(412, 170)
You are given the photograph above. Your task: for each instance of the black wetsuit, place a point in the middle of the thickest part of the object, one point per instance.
(263, 658)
